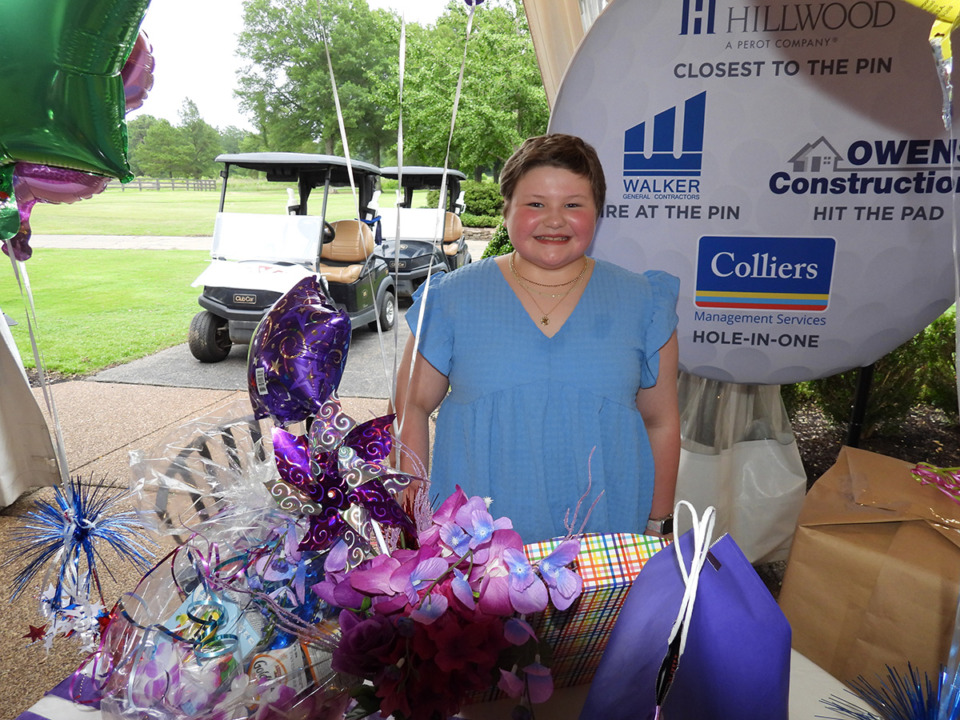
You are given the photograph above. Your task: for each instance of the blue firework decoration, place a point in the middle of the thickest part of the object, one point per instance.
(64, 539)
(903, 696)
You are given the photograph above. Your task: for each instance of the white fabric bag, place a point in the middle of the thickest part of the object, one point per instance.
(739, 454)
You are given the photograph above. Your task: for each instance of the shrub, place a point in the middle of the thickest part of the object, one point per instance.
(499, 244)
(894, 390)
(480, 221)
(938, 358)
(797, 395)
(482, 198)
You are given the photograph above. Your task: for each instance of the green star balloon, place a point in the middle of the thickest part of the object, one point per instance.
(61, 93)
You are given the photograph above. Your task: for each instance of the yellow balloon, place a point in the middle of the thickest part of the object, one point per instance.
(947, 11)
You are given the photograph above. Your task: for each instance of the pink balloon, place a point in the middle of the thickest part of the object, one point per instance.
(137, 73)
(19, 244)
(53, 184)
(41, 183)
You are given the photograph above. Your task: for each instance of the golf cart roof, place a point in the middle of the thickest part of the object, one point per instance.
(288, 166)
(419, 177)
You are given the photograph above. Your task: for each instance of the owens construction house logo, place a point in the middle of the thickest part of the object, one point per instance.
(764, 273)
(870, 167)
(662, 158)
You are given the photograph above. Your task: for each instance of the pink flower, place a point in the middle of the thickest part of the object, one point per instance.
(373, 577)
(510, 683)
(462, 590)
(539, 682)
(518, 631)
(430, 608)
(526, 590)
(477, 522)
(366, 645)
(565, 585)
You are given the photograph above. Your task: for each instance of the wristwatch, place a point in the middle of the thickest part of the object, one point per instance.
(662, 526)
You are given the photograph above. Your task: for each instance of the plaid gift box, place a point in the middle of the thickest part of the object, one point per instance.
(608, 564)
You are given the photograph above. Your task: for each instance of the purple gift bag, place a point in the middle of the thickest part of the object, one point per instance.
(699, 637)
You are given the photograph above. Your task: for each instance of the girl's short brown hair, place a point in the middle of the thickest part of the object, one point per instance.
(555, 150)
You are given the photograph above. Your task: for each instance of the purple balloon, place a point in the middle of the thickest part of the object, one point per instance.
(297, 354)
(137, 73)
(54, 184)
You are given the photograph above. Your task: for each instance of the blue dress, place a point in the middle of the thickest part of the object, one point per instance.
(529, 420)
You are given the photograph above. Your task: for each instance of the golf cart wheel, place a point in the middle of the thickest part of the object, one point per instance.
(209, 338)
(388, 312)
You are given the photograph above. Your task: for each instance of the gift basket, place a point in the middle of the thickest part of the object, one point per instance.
(298, 587)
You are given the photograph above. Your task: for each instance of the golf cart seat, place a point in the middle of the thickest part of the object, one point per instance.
(452, 232)
(352, 244)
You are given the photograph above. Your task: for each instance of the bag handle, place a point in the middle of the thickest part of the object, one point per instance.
(702, 535)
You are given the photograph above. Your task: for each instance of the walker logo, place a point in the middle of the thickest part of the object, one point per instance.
(663, 148)
(698, 17)
(764, 273)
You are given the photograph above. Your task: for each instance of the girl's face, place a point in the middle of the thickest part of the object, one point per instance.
(551, 217)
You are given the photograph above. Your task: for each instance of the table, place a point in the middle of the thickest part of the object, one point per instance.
(809, 684)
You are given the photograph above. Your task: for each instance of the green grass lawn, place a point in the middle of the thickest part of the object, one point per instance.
(183, 213)
(98, 308)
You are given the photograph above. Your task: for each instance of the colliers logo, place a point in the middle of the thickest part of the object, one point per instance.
(764, 273)
(662, 158)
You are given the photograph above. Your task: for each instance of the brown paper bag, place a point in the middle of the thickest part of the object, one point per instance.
(874, 569)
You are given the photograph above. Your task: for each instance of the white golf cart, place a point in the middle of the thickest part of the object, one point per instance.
(257, 258)
(431, 239)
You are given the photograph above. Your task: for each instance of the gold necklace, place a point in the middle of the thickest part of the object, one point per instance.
(520, 277)
(523, 281)
(545, 315)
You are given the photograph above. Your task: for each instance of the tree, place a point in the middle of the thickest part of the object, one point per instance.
(201, 141)
(502, 102)
(163, 152)
(137, 130)
(287, 85)
(232, 138)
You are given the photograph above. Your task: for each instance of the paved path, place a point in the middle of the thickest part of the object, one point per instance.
(368, 373)
(370, 365)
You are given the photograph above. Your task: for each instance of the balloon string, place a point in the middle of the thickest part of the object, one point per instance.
(33, 328)
(950, 696)
(353, 188)
(446, 165)
(392, 376)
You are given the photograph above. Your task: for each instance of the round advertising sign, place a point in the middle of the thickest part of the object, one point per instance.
(787, 161)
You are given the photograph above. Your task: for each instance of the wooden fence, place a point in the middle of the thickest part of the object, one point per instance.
(157, 184)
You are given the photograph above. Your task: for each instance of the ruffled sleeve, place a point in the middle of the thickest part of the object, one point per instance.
(664, 290)
(436, 336)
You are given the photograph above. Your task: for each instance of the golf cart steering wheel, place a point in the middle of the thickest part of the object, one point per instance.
(328, 233)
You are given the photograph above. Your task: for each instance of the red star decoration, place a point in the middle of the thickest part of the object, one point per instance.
(36, 633)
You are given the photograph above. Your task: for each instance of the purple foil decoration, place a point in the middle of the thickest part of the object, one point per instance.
(297, 355)
(342, 474)
(372, 440)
